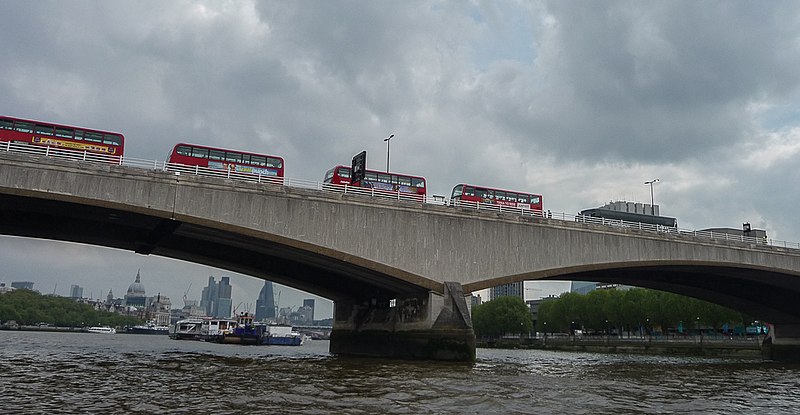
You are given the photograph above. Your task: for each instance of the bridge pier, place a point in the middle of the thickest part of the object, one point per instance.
(428, 326)
(782, 343)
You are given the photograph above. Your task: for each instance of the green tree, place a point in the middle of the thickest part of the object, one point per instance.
(504, 315)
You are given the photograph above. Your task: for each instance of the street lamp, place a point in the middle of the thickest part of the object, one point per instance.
(387, 139)
(652, 200)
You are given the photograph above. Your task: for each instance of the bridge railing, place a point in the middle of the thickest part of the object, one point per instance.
(180, 169)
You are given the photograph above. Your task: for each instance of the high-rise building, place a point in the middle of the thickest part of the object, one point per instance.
(216, 298)
(22, 285)
(208, 296)
(75, 291)
(224, 302)
(265, 304)
(515, 289)
(582, 287)
(309, 302)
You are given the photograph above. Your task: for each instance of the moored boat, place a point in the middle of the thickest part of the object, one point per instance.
(244, 332)
(188, 329)
(149, 328)
(281, 335)
(101, 330)
(212, 329)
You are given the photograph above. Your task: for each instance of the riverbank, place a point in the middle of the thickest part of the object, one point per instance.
(743, 348)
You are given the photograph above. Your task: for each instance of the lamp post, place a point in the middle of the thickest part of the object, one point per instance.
(387, 139)
(652, 200)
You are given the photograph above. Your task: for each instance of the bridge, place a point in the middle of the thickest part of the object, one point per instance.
(398, 271)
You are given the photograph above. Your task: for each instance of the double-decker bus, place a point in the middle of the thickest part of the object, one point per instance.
(18, 130)
(478, 194)
(389, 182)
(227, 160)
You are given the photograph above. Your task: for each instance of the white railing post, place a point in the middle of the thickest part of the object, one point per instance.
(259, 177)
(196, 170)
(47, 152)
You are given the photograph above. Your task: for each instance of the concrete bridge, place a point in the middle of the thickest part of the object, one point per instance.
(398, 272)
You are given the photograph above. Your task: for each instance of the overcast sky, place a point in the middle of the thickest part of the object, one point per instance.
(581, 102)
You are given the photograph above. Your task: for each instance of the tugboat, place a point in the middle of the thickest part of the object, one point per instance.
(244, 332)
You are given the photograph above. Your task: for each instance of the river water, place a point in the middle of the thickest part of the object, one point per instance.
(54, 373)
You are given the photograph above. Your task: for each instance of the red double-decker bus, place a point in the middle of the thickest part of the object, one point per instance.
(227, 160)
(475, 194)
(389, 182)
(18, 130)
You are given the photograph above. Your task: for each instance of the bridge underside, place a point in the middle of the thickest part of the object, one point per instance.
(144, 234)
(430, 321)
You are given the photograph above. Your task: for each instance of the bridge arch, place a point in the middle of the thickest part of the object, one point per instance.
(755, 290)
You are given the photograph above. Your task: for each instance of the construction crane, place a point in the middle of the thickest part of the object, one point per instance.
(237, 307)
(186, 295)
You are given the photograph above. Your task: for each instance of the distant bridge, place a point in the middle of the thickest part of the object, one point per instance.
(397, 270)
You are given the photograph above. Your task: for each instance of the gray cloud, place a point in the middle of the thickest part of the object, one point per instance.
(581, 102)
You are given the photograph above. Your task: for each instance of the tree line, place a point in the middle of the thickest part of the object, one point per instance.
(29, 308)
(604, 311)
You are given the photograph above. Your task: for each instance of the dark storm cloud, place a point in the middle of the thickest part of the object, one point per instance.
(649, 81)
(579, 101)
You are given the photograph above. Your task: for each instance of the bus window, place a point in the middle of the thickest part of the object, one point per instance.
(457, 191)
(43, 129)
(233, 157)
(417, 182)
(535, 200)
(23, 127)
(64, 132)
(523, 199)
(6, 124)
(112, 139)
(260, 161)
(384, 178)
(404, 181)
(214, 155)
(481, 193)
(469, 191)
(328, 176)
(79, 134)
(370, 176)
(344, 172)
(245, 158)
(511, 197)
(199, 152)
(274, 163)
(93, 137)
(184, 151)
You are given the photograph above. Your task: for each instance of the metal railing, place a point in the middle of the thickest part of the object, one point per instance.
(83, 156)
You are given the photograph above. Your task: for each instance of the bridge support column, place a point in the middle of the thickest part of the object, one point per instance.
(413, 326)
(782, 343)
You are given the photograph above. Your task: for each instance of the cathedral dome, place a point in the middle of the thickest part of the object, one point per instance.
(137, 288)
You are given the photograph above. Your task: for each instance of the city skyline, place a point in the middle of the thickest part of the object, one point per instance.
(242, 290)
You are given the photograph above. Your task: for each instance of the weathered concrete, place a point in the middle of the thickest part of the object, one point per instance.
(356, 249)
(428, 326)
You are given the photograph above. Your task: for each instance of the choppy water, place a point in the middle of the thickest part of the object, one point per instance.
(54, 373)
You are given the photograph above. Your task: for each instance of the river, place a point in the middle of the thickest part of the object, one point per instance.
(55, 373)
